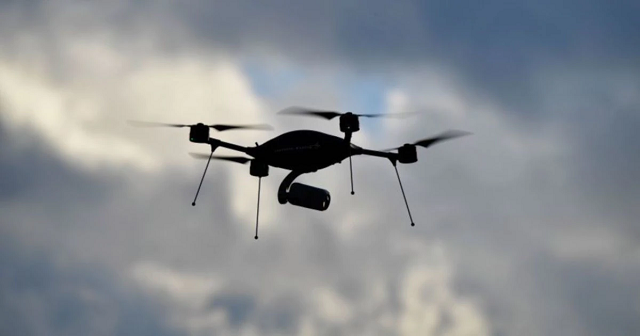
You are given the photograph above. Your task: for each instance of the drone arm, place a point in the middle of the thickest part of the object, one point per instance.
(219, 143)
(388, 155)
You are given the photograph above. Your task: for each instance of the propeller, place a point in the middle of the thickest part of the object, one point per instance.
(296, 110)
(237, 159)
(217, 127)
(428, 142)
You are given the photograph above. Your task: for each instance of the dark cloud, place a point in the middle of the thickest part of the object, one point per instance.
(42, 289)
(602, 311)
(497, 47)
(238, 306)
(606, 164)
(40, 294)
(269, 284)
(34, 172)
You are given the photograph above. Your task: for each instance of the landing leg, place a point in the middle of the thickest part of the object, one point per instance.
(258, 207)
(403, 195)
(202, 179)
(347, 140)
(351, 172)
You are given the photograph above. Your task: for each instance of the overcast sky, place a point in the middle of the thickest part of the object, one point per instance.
(528, 227)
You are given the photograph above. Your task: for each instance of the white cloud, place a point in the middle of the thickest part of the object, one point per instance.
(188, 289)
(80, 95)
(332, 307)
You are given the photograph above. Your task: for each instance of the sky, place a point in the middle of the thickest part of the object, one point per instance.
(527, 227)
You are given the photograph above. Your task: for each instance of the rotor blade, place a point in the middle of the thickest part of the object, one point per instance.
(237, 159)
(222, 128)
(138, 123)
(295, 110)
(452, 134)
(387, 115)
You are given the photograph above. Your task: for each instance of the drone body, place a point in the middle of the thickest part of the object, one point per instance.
(302, 152)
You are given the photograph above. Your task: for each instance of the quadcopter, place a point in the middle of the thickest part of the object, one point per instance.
(303, 152)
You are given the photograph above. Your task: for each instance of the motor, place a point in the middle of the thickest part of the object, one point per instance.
(309, 197)
(349, 123)
(407, 154)
(199, 133)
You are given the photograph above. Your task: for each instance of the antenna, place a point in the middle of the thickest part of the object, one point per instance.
(202, 179)
(258, 207)
(402, 189)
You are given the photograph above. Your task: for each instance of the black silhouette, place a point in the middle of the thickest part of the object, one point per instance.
(302, 152)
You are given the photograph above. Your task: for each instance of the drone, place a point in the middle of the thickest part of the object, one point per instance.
(303, 152)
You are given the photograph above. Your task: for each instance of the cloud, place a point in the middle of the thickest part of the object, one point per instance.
(521, 228)
(84, 114)
(44, 294)
(209, 278)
